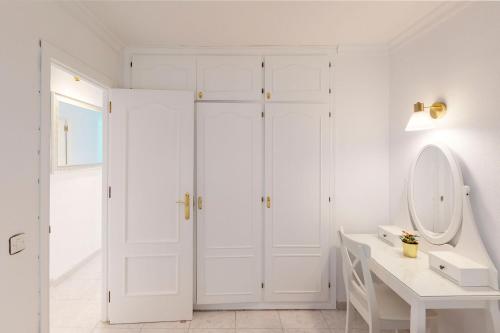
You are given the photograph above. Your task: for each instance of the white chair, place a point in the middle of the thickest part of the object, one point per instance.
(379, 306)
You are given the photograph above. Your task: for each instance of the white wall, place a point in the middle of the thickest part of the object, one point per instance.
(75, 209)
(361, 142)
(64, 83)
(458, 62)
(22, 24)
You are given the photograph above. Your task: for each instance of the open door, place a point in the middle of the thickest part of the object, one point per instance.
(151, 149)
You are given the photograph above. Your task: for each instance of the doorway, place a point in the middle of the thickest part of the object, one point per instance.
(76, 171)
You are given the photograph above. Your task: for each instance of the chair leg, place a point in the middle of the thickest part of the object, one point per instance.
(495, 315)
(349, 317)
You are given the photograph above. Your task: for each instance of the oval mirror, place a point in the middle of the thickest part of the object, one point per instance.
(435, 194)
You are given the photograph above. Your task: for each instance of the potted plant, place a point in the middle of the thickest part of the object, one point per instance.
(410, 244)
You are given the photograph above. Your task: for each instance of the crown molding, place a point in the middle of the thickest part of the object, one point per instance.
(362, 50)
(85, 16)
(233, 50)
(435, 18)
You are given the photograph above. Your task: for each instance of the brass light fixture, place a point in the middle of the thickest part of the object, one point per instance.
(76, 78)
(436, 110)
(423, 116)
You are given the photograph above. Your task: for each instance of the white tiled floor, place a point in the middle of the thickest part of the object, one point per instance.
(269, 321)
(75, 308)
(75, 303)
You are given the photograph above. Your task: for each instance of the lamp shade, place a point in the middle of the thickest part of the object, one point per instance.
(419, 121)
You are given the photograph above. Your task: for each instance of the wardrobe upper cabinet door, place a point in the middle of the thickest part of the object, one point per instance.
(297, 78)
(165, 72)
(229, 78)
(297, 177)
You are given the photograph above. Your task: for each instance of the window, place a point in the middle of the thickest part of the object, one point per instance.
(78, 133)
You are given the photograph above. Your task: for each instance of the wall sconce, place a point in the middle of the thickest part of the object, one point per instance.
(423, 119)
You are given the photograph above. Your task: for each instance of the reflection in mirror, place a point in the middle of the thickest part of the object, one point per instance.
(79, 139)
(433, 190)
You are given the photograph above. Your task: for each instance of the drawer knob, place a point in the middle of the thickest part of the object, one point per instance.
(441, 267)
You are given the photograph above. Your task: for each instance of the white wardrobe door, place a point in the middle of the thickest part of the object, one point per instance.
(229, 215)
(296, 215)
(151, 235)
(229, 78)
(297, 78)
(167, 72)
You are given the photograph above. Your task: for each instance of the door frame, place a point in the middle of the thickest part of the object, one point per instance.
(51, 55)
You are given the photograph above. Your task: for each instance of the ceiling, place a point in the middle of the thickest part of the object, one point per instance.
(228, 23)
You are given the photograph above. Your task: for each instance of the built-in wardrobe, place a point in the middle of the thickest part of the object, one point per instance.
(263, 167)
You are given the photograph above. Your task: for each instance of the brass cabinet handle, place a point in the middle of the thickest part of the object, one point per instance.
(200, 203)
(268, 95)
(187, 206)
(268, 202)
(200, 94)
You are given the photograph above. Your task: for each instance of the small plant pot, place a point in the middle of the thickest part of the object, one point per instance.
(410, 250)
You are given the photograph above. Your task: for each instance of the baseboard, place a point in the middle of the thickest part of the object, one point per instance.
(65, 276)
(341, 305)
(265, 306)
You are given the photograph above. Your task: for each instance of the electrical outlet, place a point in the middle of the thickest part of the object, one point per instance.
(16, 244)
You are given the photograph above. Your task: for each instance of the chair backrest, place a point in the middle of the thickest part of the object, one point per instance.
(355, 257)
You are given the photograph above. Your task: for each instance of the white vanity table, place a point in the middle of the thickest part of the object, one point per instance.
(421, 287)
(439, 208)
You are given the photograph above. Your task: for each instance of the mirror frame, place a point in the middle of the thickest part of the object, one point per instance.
(458, 186)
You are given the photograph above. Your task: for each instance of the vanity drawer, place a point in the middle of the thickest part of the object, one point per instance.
(459, 269)
(390, 234)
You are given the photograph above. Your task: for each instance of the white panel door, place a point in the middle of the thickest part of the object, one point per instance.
(167, 72)
(150, 228)
(297, 78)
(229, 214)
(297, 150)
(229, 78)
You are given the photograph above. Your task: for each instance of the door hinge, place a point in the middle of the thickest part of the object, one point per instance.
(262, 64)
(262, 199)
(50, 229)
(262, 91)
(262, 285)
(131, 64)
(329, 114)
(329, 284)
(262, 114)
(329, 199)
(109, 296)
(330, 64)
(330, 90)
(109, 192)
(110, 106)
